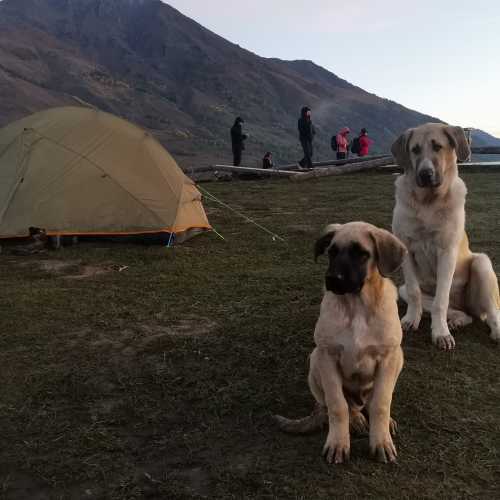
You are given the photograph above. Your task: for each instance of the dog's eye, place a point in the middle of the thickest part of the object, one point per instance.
(364, 256)
(358, 253)
(416, 150)
(436, 147)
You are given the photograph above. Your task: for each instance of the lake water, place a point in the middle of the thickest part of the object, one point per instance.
(482, 158)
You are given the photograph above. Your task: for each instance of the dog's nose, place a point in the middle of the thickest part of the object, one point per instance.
(426, 174)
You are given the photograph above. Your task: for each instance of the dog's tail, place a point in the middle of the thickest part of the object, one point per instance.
(313, 422)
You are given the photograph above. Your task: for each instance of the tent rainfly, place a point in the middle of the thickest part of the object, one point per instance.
(80, 171)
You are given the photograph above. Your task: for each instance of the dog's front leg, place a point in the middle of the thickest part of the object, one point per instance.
(446, 264)
(337, 446)
(388, 370)
(411, 320)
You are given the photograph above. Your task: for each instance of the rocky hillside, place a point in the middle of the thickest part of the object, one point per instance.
(146, 62)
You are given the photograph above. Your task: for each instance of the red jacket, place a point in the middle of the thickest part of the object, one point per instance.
(342, 142)
(364, 145)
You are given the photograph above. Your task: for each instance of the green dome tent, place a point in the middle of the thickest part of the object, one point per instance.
(80, 171)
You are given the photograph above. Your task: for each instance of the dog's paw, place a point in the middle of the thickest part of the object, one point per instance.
(410, 321)
(445, 342)
(495, 335)
(393, 427)
(383, 449)
(495, 328)
(337, 449)
(358, 423)
(441, 335)
(458, 319)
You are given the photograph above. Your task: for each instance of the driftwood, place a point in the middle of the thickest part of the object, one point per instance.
(199, 170)
(343, 169)
(479, 164)
(250, 170)
(331, 163)
(194, 172)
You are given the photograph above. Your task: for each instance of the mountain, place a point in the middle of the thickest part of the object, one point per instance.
(481, 138)
(146, 62)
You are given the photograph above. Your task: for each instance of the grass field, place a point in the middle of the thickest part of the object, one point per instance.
(159, 381)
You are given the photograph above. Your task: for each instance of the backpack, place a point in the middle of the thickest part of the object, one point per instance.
(334, 143)
(356, 146)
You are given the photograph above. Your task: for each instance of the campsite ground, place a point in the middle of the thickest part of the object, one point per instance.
(158, 381)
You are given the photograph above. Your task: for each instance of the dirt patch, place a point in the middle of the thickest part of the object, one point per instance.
(72, 269)
(188, 327)
(137, 338)
(47, 265)
(90, 272)
(57, 266)
(104, 344)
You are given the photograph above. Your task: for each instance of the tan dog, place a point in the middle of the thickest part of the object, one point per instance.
(442, 275)
(358, 355)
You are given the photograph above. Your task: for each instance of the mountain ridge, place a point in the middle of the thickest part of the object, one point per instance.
(145, 61)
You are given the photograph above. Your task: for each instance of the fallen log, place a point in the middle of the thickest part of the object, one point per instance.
(479, 164)
(199, 170)
(344, 169)
(250, 170)
(331, 163)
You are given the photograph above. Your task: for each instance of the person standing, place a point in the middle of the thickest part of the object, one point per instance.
(267, 161)
(306, 135)
(343, 143)
(364, 143)
(237, 140)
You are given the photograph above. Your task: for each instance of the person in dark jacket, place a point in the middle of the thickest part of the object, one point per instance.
(237, 140)
(306, 135)
(267, 161)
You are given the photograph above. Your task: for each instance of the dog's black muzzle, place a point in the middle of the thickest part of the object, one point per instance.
(342, 286)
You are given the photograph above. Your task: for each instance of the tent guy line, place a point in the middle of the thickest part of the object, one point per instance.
(248, 219)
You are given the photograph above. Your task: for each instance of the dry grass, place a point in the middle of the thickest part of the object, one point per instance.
(159, 381)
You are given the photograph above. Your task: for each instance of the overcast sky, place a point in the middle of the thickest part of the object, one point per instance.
(440, 57)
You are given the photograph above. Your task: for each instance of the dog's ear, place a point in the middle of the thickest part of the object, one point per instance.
(390, 251)
(325, 239)
(400, 149)
(458, 142)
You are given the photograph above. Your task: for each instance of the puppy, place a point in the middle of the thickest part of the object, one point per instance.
(358, 355)
(442, 276)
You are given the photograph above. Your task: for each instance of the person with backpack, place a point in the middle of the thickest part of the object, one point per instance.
(355, 147)
(341, 143)
(306, 136)
(237, 140)
(364, 143)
